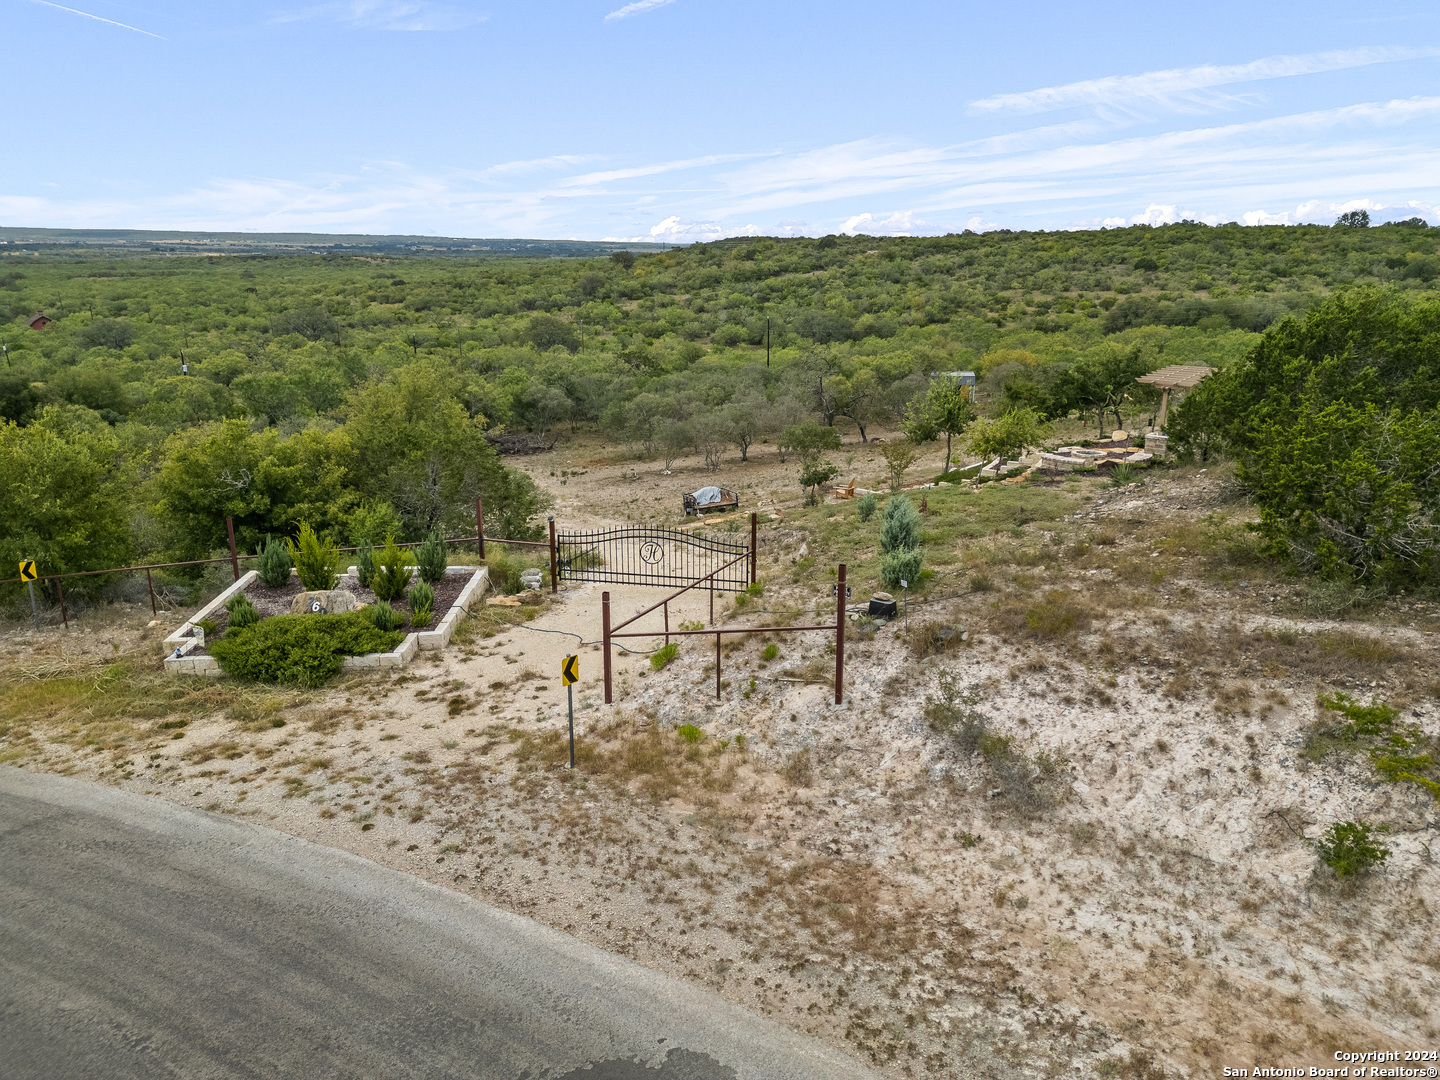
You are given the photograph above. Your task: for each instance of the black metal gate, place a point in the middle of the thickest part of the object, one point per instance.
(649, 555)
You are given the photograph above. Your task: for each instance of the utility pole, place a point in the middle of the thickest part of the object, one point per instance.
(767, 341)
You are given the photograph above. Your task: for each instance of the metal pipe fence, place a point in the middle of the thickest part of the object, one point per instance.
(235, 558)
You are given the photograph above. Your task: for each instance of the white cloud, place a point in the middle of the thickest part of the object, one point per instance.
(510, 168)
(674, 230)
(637, 8)
(1056, 176)
(1260, 217)
(899, 223)
(1158, 214)
(1214, 164)
(1316, 212)
(401, 15)
(1186, 89)
(635, 172)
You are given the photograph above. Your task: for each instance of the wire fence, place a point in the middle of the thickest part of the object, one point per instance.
(165, 592)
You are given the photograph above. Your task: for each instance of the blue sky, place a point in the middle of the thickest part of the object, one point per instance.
(692, 119)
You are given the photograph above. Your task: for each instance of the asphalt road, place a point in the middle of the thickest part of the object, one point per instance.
(143, 939)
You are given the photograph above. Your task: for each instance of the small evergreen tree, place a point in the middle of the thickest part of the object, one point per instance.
(392, 572)
(316, 558)
(273, 564)
(242, 611)
(901, 566)
(365, 564)
(431, 557)
(383, 617)
(899, 526)
(422, 603)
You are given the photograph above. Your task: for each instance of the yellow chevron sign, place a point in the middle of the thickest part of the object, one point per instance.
(570, 671)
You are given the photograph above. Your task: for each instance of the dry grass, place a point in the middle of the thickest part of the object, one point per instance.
(1057, 614)
(935, 638)
(112, 705)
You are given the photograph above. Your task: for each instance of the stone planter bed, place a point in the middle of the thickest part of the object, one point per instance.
(454, 593)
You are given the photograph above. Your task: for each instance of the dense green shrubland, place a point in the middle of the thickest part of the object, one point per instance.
(355, 393)
(1335, 421)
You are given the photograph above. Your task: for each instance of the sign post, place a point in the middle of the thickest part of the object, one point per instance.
(569, 673)
(28, 575)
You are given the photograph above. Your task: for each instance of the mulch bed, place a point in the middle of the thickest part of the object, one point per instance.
(272, 602)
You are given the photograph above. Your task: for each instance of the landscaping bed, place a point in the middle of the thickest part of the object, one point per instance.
(270, 602)
(188, 646)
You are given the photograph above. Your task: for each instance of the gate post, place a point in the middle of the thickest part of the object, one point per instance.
(480, 528)
(717, 667)
(605, 639)
(554, 561)
(752, 547)
(234, 558)
(840, 636)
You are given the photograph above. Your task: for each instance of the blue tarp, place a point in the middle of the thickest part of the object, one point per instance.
(706, 495)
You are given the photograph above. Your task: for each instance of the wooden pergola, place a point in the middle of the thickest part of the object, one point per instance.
(1174, 377)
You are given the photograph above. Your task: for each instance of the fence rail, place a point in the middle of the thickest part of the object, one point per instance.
(235, 558)
(608, 634)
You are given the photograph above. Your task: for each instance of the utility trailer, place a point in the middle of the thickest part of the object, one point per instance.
(708, 499)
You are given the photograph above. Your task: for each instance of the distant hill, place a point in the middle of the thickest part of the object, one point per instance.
(115, 242)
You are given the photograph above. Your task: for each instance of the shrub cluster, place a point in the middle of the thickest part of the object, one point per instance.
(383, 616)
(1031, 784)
(1348, 848)
(303, 650)
(242, 612)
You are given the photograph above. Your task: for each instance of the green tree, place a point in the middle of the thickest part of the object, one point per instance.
(945, 410)
(414, 444)
(64, 493)
(810, 440)
(313, 323)
(1335, 420)
(899, 456)
(546, 332)
(266, 483)
(1103, 380)
(814, 472)
(900, 525)
(860, 397)
(1007, 435)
